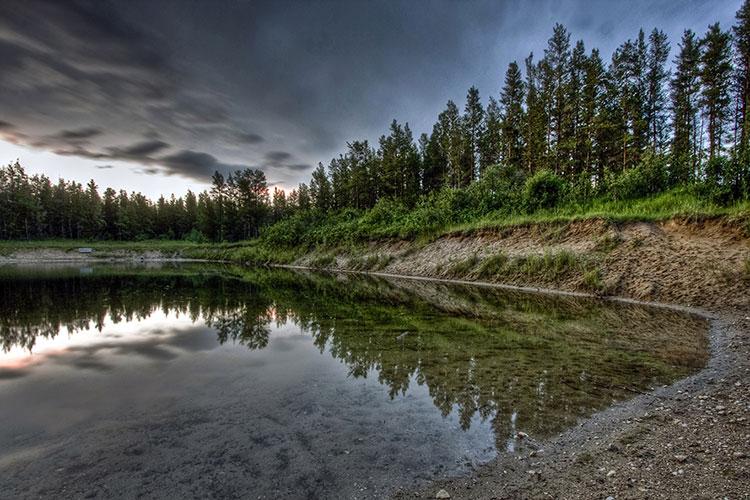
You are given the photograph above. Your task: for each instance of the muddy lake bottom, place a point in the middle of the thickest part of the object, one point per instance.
(198, 380)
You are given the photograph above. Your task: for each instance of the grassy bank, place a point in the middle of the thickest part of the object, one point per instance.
(452, 213)
(349, 230)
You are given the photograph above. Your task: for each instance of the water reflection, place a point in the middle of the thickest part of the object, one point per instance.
(521, 361)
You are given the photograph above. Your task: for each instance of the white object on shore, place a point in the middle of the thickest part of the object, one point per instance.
(85, 250)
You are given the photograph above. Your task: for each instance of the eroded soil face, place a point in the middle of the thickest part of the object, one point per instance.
(701, 264)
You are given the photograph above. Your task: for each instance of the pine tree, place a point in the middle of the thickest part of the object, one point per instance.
(684, 90)
(474, 129)
(715, 74)
(535, 123)
(320, 189)
(450, 137)
(576, 143)
(557, 61)
(511, 100)
(656, 101)
(491, 141)
(742, 61)
(591, 124)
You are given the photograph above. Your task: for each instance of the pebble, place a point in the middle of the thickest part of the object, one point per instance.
(610, 473)
(442, 494)
(680, 458)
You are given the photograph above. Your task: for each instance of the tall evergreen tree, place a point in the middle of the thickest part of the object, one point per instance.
(491, 141)
(715, 74)
(741, 32)
(557, 58)
(657, 77)
(684, 91)
(474, 130)
(535, 123)
(511, 100)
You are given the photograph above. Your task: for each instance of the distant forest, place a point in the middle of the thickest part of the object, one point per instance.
(565, 128)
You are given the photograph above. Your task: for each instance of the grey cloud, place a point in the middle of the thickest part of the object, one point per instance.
(104, 167)
(78, 134)
(195, 164)
(277, 156)
(248, 138)
(296, 167)
(138, 150)
(5, 125)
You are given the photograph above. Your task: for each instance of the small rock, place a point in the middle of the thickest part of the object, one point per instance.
(442, 494)
(521, 435)
(611, 473)
(610, 498)
(739, 454)
(680, 458)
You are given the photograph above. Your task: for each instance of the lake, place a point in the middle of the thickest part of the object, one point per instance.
(200, 380)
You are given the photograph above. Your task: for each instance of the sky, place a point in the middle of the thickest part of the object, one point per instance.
(156, 95)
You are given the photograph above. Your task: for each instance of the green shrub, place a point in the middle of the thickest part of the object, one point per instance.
(463, 267)
(728, 180)
(543, 190)
(323, 261)
(647, 178)
(492, 266)
(195, 236)
(592, 280)
(551, 265)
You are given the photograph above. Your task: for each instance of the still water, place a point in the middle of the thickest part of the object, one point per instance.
(219, 381)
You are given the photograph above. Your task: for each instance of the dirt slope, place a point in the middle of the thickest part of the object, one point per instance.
(704, 264)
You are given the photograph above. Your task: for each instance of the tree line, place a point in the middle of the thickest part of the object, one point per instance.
(565, 125)
(568, 118)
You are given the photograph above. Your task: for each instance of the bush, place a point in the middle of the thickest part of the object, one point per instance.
(728, 180)
(500, 188)
(543, 190)
(195, 236)
(647, 178)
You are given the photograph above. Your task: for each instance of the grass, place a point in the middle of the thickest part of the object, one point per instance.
(375, 262)
(323, 261)
(462, 267)
(592, 280)
(677, 203)
(492, 266)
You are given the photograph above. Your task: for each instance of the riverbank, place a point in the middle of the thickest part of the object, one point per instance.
(686, 440)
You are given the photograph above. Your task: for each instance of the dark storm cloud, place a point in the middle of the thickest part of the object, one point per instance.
(195, 165)
(281, 85)
(78, 134)
(139, 151)
(277, 156)
(63, 62)
(5, 125)
(104, 167)
(248, 138)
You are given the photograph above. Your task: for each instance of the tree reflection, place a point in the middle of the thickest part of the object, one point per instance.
(481, 352)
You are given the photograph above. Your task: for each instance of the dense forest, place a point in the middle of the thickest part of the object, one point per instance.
(565, 128)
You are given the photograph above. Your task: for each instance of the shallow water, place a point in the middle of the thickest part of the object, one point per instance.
(217, 381)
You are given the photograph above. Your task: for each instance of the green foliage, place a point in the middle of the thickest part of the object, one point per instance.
(647, 178)
(375, 262)
(544, 190)
(592, 280)
(323, 261)
(492, 266)
(462, 267)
